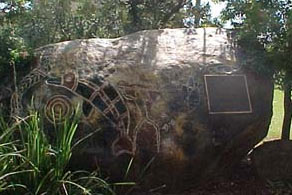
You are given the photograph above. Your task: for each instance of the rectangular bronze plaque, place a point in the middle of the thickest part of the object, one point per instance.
(227, 94)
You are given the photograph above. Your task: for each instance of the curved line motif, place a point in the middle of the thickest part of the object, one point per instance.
(103, 97)
(58, 108)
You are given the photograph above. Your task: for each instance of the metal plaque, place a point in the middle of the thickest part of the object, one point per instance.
(227, 94)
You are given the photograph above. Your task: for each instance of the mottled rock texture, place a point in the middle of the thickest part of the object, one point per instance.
(147, 94)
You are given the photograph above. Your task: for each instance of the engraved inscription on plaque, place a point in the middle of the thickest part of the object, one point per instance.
(227, 94)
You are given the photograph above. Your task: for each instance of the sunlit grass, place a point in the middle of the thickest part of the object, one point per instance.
(277, 119)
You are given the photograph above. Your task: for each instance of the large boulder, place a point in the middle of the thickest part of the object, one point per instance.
(179, 101)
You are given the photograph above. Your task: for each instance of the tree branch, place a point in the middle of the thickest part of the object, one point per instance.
(173, 11)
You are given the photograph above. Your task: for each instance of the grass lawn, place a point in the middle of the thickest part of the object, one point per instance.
(277, 119)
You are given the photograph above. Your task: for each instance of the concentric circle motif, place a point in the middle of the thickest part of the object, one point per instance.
(58, 108)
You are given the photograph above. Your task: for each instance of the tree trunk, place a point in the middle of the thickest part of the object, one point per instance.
(133, 12)
(198, 13)
(287, 110)
(172, 12)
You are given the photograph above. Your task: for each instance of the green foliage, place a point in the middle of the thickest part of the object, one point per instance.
(25, 25)
(264, 26)
(29, 164)
(153, 14)
(57, 20)
(50, 21)
(60, 20)
(13, 50)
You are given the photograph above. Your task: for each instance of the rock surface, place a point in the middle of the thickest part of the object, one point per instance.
(147, 93)
(272, 160)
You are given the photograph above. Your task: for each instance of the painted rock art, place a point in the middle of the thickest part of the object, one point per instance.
(148, 96)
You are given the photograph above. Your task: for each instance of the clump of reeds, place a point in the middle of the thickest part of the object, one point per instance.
(29, 164)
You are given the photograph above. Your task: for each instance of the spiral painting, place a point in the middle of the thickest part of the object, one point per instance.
(58, 108)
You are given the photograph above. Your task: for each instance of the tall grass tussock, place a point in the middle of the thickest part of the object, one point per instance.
(30, 163)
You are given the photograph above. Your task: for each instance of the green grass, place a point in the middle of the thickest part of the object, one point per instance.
(29, 164)
(277, 119)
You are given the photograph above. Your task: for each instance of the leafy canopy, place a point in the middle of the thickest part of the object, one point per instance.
(28, 24)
